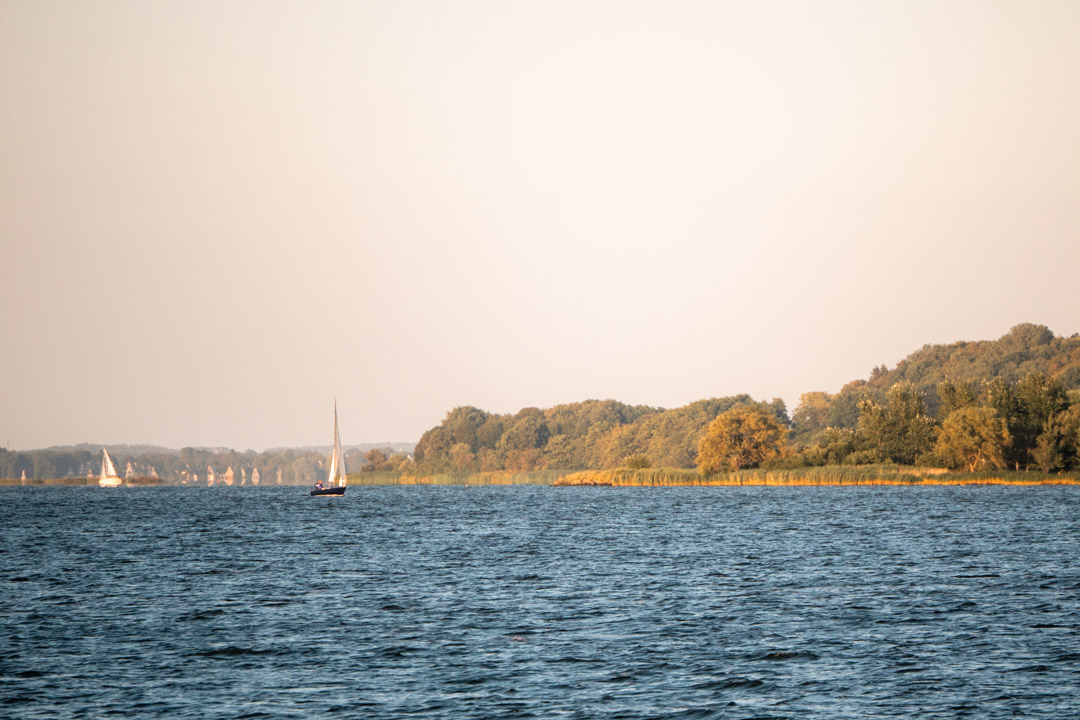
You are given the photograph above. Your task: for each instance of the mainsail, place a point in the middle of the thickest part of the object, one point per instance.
(108, 470)
(337, 459)
(109, 477)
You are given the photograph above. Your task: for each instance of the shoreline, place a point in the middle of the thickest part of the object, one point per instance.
(832, 476)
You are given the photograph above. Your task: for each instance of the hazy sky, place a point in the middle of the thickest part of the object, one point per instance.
(216, 217)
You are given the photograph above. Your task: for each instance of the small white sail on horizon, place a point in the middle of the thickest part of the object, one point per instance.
(109, 476)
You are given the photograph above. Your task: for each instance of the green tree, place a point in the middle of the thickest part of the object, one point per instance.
(953, 395)
(742, 437)
(463, 424)
(432, 453)
(837, 444)
(1026, 408)
(973, 437)
(1056, 448)
(844, 406)
(812, 415)
(1040, 398)
(900, 430)
(528, 431)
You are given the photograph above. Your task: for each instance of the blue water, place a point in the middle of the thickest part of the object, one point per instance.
(453, 602)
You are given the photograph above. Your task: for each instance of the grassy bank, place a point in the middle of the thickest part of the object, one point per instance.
(501, 477)
(623, 477)
(837, 475)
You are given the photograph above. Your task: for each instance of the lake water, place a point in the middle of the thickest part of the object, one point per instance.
(453, 602)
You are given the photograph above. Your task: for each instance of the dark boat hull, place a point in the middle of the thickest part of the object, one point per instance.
(329, 491)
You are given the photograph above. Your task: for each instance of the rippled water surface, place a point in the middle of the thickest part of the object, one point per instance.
(453, 602)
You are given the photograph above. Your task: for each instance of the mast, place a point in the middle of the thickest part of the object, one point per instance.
(337, 458)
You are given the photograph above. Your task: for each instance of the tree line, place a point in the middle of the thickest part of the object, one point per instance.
(933, 409)
(190, 465)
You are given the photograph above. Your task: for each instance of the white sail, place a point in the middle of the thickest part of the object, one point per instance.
(109, 476)
(337, 458)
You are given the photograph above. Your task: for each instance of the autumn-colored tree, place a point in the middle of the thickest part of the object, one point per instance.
(742, 437)
(462, 458)
(377, 460)
(973, 437)
(523, 460)
(561, 453)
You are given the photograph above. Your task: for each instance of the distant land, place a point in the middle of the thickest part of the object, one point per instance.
(138, 450)
(145, 464)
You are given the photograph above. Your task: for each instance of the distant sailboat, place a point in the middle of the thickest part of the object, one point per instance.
(337, 480)
(109, 476)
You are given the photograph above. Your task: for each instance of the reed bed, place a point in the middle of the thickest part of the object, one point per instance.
(815, 476)
(500, 477)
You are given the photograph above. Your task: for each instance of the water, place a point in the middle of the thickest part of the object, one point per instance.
(452, 602)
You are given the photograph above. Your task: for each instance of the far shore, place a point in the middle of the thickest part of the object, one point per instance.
(661, 477)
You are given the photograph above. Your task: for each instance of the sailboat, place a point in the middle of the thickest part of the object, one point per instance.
(335, 484)
(109, 477)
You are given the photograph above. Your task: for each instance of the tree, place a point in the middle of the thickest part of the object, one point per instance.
(561, 453)
(621, 442)
(812, 415)
(1026, 408)
(527, 431)
(1057, 445)
(973, 437)
(377, 460)
(432, 453)
(1040, 399)
(463, 424)
(844, 406)
(463, 458)
(900, 430)
(742, 437)
(954, 395)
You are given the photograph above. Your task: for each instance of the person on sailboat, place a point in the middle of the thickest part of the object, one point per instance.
(318, 484)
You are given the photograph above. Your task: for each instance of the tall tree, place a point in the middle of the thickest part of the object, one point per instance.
(900, 430)
(973, 437)
(742, 437)
(1026, 407)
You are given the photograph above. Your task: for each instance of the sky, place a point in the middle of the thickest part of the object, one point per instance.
(216, 218)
